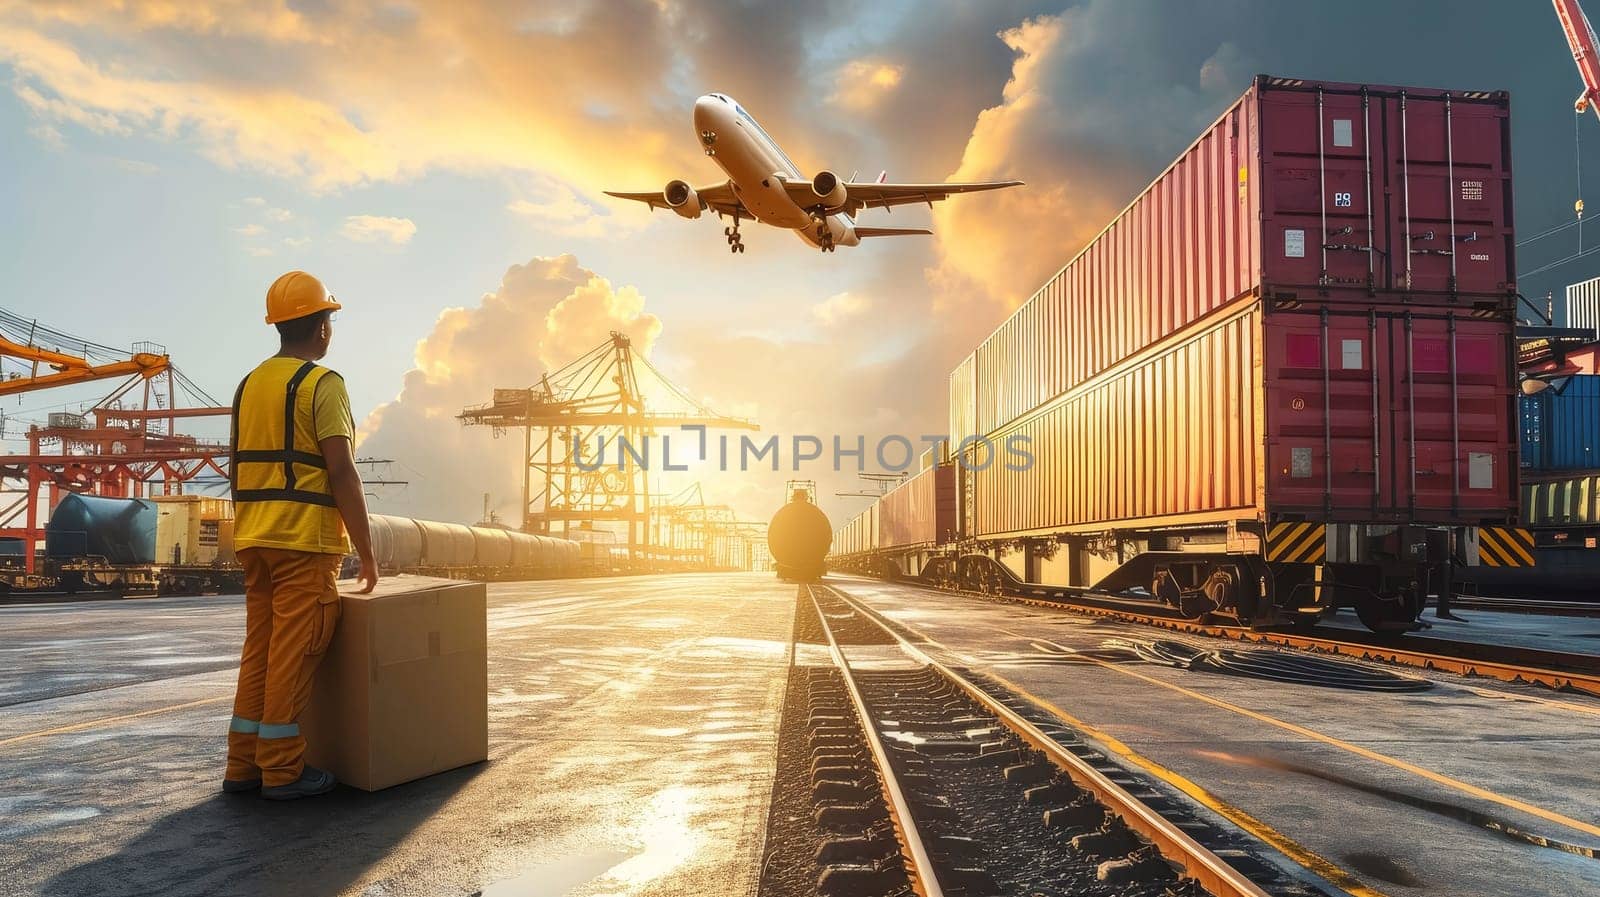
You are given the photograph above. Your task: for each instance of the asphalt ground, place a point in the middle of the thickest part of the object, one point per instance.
(632, 729)
(1548, 632)
(1398, 794)
(632, 732)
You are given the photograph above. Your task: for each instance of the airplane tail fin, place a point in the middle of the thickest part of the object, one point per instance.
(890, 231)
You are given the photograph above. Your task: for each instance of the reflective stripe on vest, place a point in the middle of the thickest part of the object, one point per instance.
(288, 456)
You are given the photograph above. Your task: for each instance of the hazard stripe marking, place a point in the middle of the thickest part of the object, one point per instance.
(1505, 546)
(1297, 543)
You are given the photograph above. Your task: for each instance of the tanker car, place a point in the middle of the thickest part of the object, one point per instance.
(798, 537)
(137, 546)
(1279, 382)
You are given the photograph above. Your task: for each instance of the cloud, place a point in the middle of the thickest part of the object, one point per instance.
(839, 307)
(296, 242)
(250, 230)
(862, 84)
(1085, 125)
(559, 209)
(254, 201)
(279, 215)
(255, 86)
(378, 228)
(543, 314)
(258, 251)
(137, 166)
(49, 135)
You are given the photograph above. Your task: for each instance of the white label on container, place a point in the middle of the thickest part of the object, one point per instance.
(1350, 350)
(1342, 133)
(1294, 243)
(1300, 463)
(1480, 470)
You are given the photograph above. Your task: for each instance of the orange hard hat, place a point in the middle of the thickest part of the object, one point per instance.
(295, 295)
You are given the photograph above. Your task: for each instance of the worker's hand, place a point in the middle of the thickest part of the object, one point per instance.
(368, 577)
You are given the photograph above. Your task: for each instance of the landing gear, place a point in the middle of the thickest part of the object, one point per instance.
(825, 236)
(735, 242)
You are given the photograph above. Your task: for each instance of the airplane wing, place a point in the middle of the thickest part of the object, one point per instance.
(890, 231)
(718, 198)
(868, 195)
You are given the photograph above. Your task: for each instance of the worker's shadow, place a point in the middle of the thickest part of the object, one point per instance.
(243, 845)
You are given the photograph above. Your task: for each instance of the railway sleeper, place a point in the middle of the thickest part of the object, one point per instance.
(1144, 864)
(1113, 838)
(842, 817)
(869, 847)
(880, 877)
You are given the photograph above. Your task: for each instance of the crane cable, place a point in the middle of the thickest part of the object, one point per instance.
(1577, 161)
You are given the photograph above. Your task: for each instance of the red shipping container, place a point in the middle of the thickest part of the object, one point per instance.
(920, 511)
(1300, 191)
(1310, 314)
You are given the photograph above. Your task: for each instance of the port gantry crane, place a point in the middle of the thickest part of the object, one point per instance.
(576, 422)
(1580, 37)
(709, 535)
(127, 442)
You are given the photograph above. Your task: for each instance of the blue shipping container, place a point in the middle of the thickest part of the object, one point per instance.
(1561, 426)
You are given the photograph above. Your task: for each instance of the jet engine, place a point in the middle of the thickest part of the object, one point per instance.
(829, 189)
(682, 199)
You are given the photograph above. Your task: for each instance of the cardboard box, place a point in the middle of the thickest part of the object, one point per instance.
(403, 691)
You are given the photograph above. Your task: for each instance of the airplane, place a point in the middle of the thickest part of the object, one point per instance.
(764, 185)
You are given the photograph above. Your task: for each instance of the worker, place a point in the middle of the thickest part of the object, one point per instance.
(298, 506)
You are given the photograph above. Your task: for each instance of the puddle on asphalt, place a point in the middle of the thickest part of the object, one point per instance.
(722, 737)
(555, 879)
(514, 698)
(1379, 866)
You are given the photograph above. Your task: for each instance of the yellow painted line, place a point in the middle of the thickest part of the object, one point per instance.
(1282, 843)
(1285, 845)
(104, 721)
(1532, 699)
(1430, 775)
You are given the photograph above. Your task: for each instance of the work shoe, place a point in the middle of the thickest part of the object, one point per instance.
(236, 786)
(312, 782)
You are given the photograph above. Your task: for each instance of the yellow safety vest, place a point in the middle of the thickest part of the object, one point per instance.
(276, 457)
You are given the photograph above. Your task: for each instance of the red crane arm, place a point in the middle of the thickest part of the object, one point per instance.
(1580, 37)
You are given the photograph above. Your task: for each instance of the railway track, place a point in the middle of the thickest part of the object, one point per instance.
(932, 780)
(1527, 606)
(1558, 670)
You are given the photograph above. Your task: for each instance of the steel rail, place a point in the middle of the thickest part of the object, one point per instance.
(1561, 671)
(919, 866)
(1211, 871)
(1527, 605)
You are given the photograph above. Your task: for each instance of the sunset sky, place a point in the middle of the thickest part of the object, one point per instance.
(440, 166)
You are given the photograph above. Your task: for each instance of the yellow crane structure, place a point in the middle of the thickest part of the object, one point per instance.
(709, 536)
(588, 430)
(66, 370)
(126, 443)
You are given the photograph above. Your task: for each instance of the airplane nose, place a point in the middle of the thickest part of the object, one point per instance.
(707, 120)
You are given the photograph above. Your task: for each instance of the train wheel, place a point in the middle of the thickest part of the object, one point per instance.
(1380, 615)
(1302, 622)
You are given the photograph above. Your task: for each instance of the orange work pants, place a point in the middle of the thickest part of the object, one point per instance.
(291, 611)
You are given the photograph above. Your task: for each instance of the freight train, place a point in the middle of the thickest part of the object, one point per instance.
(183, 545)
(1560, 478)
(1281, 381)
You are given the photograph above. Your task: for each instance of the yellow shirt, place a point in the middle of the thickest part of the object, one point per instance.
(295, 526)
